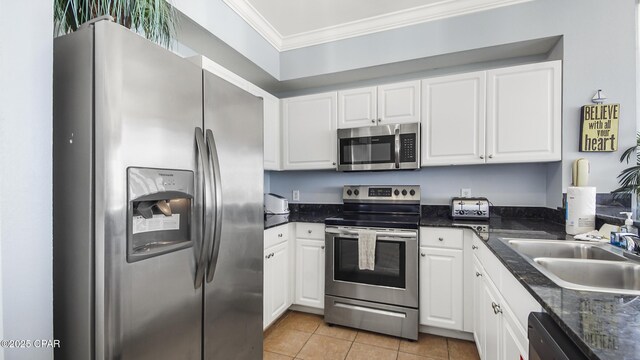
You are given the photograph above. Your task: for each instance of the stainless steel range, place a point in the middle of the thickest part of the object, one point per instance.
(384, 299)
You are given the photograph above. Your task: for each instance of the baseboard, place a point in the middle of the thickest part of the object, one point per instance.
(307, 309)
(446, 332)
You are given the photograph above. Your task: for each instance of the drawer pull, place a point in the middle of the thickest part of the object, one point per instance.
(423, 254)
(309, 231)
(474, 247)
(478, 274)
(441, 239)
(279, 235)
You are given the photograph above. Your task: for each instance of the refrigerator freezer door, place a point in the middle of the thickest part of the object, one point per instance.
(148, 103)
(233, 296)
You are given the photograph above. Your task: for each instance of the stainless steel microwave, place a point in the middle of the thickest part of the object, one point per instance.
(384, 147)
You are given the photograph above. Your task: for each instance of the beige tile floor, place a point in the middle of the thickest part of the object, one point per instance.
(299, 335)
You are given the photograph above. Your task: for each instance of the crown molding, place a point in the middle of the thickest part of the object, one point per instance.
(249, 14)
(431, 12)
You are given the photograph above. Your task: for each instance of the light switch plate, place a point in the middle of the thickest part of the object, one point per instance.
(464, 192)
(296, 195)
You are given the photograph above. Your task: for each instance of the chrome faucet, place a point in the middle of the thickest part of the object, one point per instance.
(631, 245)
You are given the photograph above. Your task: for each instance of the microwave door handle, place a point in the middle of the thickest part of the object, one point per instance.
(203, 171)
(214, 165)
(397, 150)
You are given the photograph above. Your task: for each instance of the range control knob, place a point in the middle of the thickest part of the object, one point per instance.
(404, 192)
(479, 212)
(356, 192)
(349, 192)
(412, 192)
(396, 192)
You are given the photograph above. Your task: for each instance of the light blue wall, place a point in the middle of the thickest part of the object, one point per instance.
(26, 77)
(599, 52)
(224, 23)
(507, 184)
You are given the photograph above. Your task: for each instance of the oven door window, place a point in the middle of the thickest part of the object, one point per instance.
(367, 150)
(389, 267)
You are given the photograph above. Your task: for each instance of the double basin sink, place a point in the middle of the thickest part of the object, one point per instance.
(579, 265)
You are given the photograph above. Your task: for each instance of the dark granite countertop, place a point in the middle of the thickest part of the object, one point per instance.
(308, 217)
(603, 325)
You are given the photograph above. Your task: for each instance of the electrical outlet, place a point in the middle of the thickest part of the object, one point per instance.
(465, 192)
(296, 195)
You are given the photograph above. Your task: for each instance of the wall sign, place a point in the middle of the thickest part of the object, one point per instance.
(599, 127)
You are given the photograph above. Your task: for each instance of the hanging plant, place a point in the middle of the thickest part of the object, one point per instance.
(629, 178)
(154, 18)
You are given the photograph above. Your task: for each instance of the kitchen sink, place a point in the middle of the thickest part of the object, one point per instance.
(580, 265)
(594, 275)
(563, 249)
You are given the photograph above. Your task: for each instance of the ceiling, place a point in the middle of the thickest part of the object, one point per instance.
(291, 24)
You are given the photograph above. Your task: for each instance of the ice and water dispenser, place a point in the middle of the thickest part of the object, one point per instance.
(160, 213)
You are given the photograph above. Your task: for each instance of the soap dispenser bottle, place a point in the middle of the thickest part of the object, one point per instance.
(628, 225)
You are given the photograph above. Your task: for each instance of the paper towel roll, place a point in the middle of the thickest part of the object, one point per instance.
(581, 209)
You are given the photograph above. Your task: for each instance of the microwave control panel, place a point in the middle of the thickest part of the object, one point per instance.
(408, 148)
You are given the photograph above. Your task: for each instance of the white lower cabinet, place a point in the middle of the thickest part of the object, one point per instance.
(310, 273)
(441, 288)
(514, 343)
(276, 282)
(497, 332)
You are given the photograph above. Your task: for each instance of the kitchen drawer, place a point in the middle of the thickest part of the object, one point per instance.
(441, 237)
(276, 235)
(310, 231)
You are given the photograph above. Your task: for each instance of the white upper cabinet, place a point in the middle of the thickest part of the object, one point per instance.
(309, 131)
(271, 132)
(399, 103)
(357, 107)
(524, 105)
(379, 105)
(453, 119)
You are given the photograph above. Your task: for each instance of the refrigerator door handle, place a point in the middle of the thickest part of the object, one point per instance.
(208, 208)
(214, 165)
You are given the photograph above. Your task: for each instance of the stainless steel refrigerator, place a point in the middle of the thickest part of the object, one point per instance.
(157, 204)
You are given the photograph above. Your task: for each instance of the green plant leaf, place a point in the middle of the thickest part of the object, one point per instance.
(155, 19)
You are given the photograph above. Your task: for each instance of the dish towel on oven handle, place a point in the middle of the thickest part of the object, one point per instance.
(366, 249)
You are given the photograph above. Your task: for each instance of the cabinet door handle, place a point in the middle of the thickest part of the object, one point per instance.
(496, 308)
(322, 247)
(441, 239)
(334, 163)
(373, 120)
(481, 156)
(379, 119)
(474, 247)
(490, 156)
(309, 231)
(423, 254)
(478, 274)
(279, 235)
(266, 257)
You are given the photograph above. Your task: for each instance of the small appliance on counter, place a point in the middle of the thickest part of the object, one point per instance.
(476, 208)
(275, 204)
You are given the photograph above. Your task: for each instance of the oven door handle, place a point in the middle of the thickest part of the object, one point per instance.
(393, 236)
